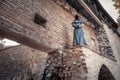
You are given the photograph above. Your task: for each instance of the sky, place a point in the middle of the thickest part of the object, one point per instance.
(8, 42)
(108, 6)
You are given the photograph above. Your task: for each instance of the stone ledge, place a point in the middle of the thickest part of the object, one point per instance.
(101, 54)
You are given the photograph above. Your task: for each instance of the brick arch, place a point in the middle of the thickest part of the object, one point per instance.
(105, 73)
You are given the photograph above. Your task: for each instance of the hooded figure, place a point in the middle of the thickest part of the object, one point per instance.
(78, 38)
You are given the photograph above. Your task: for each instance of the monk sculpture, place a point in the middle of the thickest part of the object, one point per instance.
(78, 38)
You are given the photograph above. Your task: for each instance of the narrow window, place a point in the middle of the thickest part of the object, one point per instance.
(39, 20)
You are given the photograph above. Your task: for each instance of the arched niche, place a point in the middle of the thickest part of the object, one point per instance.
(105, 74)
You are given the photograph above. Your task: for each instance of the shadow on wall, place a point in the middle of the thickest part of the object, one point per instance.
(67, 37)
(105, 74)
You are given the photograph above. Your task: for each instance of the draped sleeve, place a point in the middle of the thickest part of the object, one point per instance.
(77, 24)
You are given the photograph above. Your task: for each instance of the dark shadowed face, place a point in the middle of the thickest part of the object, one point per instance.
(76, 17)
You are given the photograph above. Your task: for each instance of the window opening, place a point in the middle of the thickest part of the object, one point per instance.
(39, 20)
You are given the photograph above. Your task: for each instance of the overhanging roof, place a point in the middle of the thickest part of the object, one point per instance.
(105, 13)
(82, 7)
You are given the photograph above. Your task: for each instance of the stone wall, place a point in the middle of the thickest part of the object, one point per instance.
(18, 17)
(95, 61)
(103, 41)
(80, 62)
(65, 64)
(17, 22)
(114, 42)
(21, 63)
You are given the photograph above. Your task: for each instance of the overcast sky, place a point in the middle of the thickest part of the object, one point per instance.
(108, 6)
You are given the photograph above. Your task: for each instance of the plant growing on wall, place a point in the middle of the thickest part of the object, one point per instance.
(117, 6)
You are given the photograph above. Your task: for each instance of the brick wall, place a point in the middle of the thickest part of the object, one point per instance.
(94, 62)
(21, 62)
(21, 14)
(65, 64)
(114, 42)
(17, 23)
(18, 19)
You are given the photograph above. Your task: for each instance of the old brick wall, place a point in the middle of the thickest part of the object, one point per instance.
(17, 19)
(25, 63)
(114, 42)
(89, 34)
(94, 62)
(21, 13)
(65, 64)
(21, 63)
